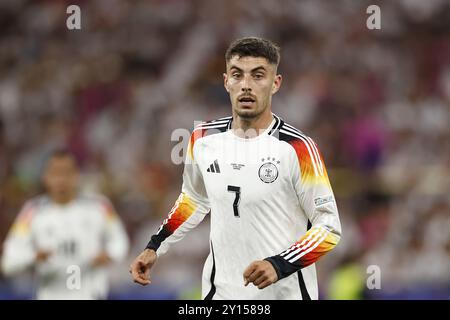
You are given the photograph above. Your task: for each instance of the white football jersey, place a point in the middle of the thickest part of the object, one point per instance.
(269, 198)
(75, 234)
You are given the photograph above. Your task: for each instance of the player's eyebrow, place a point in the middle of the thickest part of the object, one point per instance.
(236, 68)
(258, 68)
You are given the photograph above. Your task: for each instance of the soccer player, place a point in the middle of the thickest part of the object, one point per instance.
(68, 238)
(264, 183)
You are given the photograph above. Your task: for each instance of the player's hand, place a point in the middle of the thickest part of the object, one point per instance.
(140, 268)
(261, 273)
(42, 256)
(102, 259)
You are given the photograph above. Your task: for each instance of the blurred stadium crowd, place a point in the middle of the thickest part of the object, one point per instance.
(377, 102)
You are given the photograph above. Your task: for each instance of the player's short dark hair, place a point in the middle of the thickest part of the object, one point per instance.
(58, 152)
(61, 152)
(254, 47)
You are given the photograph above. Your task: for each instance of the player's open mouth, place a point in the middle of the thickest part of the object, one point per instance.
(246, 101)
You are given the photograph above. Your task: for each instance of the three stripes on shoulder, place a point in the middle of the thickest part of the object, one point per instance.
(214, 124)
(310, 146)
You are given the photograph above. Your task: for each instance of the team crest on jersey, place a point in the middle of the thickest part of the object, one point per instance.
(268, 172)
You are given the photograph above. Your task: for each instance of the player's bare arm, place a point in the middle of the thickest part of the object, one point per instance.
(141, 266)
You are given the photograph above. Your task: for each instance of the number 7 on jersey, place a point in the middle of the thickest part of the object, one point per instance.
(237, 190)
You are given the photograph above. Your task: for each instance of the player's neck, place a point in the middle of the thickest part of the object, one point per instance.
(62, 200)
(251, 128)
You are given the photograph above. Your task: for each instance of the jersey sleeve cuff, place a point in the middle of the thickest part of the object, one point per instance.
(282, 267)
(153, 246)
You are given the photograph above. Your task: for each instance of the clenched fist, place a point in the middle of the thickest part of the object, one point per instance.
(261, 273)
(140, 268)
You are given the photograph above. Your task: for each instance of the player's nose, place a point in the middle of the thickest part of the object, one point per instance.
(245, 84)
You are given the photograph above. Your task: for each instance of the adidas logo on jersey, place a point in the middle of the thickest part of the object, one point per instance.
(214, 167)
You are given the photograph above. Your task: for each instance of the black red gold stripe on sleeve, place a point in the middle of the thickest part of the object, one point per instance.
(315, 243)
(184, 207)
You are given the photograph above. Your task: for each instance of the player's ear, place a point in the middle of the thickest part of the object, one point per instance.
(225, 82)
(277, 83)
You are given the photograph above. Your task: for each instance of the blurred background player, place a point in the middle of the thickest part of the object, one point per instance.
(68, 237)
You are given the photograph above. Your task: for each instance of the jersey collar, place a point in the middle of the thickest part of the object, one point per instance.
(276, 123)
